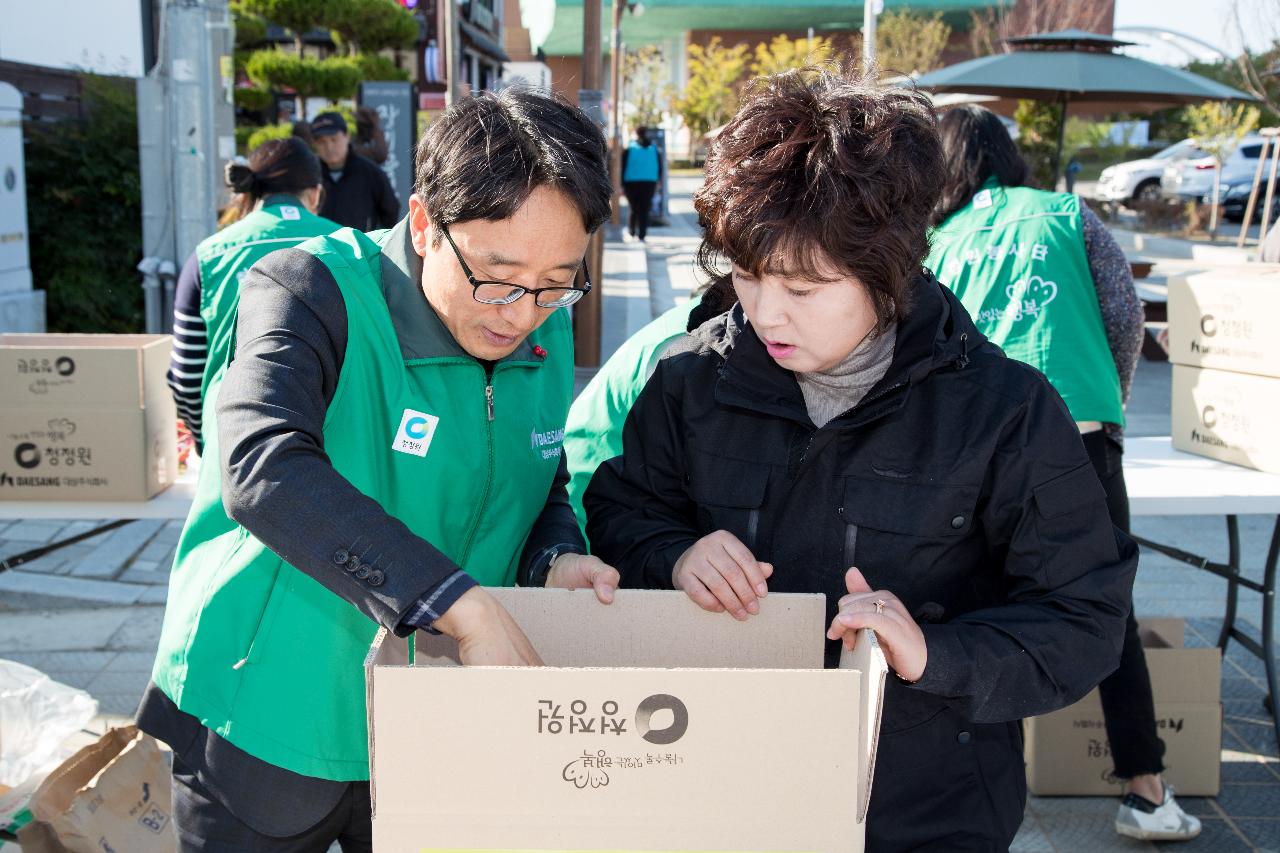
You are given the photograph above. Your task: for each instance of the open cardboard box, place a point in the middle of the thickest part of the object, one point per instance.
(1068, 753)
(655, 726)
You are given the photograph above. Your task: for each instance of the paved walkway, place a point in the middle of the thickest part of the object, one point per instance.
(90, 614)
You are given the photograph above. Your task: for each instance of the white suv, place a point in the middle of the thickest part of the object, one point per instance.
(1140, 179)
(1193, 178)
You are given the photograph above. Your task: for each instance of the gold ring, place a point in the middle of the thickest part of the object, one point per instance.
(880, 603)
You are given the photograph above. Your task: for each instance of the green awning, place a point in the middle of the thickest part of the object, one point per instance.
(556, 25)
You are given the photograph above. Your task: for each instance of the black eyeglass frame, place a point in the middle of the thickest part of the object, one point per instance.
(476, 283)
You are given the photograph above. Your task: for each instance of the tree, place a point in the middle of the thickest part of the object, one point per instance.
(85, 221)
(784, 54)
(1038, 138)
(371, 25)
(908, 43)
(1217, 129)
(297, 16)
(991, 27)
(1259, 74)
(645, 74)
(711, 96)
(333, 78)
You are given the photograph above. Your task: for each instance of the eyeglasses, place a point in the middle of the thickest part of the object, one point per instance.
(504, 292)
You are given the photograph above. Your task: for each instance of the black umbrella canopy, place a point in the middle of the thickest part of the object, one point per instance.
(1077, 67)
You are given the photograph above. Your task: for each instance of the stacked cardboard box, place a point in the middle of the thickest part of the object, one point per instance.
(1068, 752)
(1225, 349)
(85, 417)
(654, 726)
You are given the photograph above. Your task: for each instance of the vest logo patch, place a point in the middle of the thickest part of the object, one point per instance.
(288, 211)
(415, 433)
(1027, 298)
(982, 199)
(547, 443)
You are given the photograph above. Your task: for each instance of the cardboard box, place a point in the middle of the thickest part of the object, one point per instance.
(655, 726)
(1225, 319)
(86, 417)
(1067, 751)
(1232, 417)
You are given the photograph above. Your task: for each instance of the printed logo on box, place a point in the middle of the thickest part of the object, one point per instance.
(415, 433)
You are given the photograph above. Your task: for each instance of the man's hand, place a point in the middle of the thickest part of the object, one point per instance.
(581, 571)
(720, 573)
(486, 633)
(881, 611)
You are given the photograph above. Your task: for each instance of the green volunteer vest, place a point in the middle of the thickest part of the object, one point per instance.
(224, 258)
(1015, 258)
(593, 432)
(267, 657)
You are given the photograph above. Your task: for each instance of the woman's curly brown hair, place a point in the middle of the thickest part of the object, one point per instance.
(819, 170)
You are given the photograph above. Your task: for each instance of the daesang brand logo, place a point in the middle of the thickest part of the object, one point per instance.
(547, 443)
(415, 433)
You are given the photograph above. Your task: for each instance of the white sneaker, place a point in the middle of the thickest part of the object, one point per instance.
(1138, 817)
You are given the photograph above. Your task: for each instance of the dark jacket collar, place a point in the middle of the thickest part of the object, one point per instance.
(418, 327)
(937, 334)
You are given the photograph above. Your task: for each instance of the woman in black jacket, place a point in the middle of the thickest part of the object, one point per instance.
(847, 412)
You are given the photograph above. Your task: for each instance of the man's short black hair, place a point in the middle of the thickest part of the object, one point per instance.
(482, 158)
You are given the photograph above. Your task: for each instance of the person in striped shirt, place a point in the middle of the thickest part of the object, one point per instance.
(277, 193)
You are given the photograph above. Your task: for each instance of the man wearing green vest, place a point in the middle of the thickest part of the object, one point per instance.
(386, 441)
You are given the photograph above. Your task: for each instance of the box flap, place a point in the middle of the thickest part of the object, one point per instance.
(387, 650)
(868, 658)
(649, 628)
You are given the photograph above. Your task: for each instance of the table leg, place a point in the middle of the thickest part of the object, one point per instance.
(1269, 627)
(1233, 582)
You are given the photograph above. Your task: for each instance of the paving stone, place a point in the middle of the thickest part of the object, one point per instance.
(154, 595)
(1258, 737)
(35, 660)
(1250, 772)
(157, 551)
(1236, 686)
(1216, 836)
(83, 589)
(1031, 839)
(1265, 834)
(78, 661)
(139, 576)
(141, 632)
(1244, 801)
(123, 704)
(111, 682)
(56, 630)
(133, 662)
(117, 550)
(27, 534)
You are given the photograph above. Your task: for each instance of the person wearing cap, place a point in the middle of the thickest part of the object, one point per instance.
(387, 443)
(357, 194)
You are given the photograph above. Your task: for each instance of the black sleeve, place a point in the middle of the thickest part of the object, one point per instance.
(277, 481)
(190, 350)
(1067, 571)
(386, 204)
(556, 528)
(623, 164)
(640, 518)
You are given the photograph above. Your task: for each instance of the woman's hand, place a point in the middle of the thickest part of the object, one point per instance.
(720, 573)
(881, 611)
(582, 571)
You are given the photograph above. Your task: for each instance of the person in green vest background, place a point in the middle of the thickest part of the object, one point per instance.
(641, 172)
(386, 442)
(277, 192)
(1045, 281)
(593, 432)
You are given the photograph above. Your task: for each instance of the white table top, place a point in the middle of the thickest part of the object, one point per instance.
(1161, 481)
(1164, 481)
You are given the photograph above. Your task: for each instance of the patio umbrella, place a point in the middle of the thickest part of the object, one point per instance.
(1077, 67)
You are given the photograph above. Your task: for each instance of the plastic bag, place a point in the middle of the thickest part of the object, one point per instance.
(37, 715)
